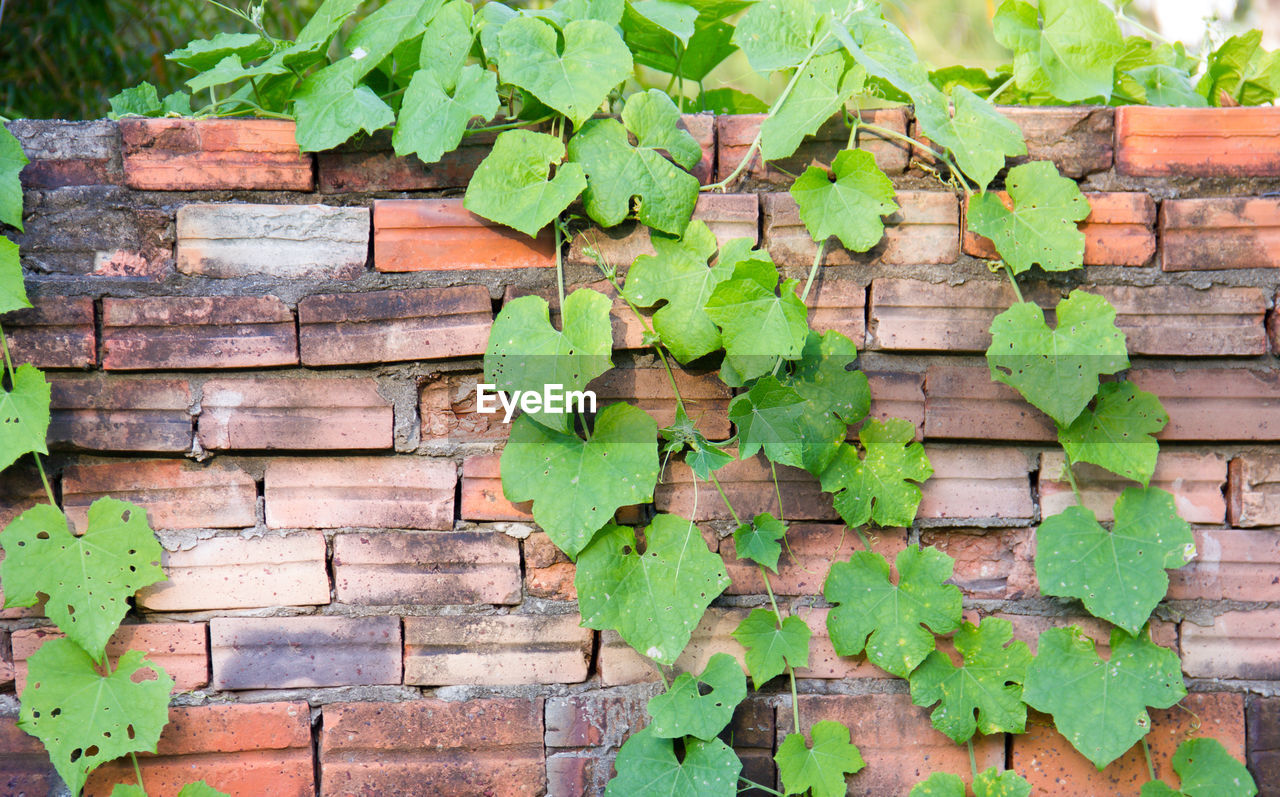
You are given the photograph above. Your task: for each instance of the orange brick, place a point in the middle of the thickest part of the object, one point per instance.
(482, 497)
(435, 569)
(925, 229)
(1079, 140)
(442, 235)
(292, 652)
(989, 485)
(749, 484)
(232, 240)
(1119, 230)
(1230, 564)
(990, 564)
(291, 413)
(496, 650)
(1219, 233)
(1195, 479)
(179, 648)
(176, 494)
(1239, 644)
(213, 154)
(55, 332)
(734, 134)
(447, 406)
(1254, 493)
(728, 216)
(163, 332)
(706, 398)
(1197, 142)
(364, 492)
(807, 554)
(1215, 403)
(962, 402)
(109, 413)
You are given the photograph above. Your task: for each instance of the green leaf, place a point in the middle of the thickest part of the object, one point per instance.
(849, 207)
(939, 784)
(13, 293)
(777, 35)
(656, 47)
(576, 485)
(1069, 49)
(446, 44)
(655, 120)
(994, 783)
(983, 137)
(1057, 370)
(377, 35)
(1116, 433)
(647, 764)
(24, 415)
(1119, 575)
(230, 69)
(331, 108)
(203, 54)
(756, 324)
(775, 417)
(128, 790)
(886, 53)
(704, 457)
(43, 557)
(772, 646)
(821, 89)
(326, 21)
(824, 377)
(1205, 769)
(726, 101)
(686, 710)
(878, 486)
(141, 100)
(988, 685)
(12, 159)
(677, 19)
(511, 185)
(1226, 67)
(574, 80)
(200, 789)
(85, 720)
(892, 621)
(1101, 706)
(821, 768)
(760, 540)
(1167, 85)
(654, 598)
(1041, 228)
(179, 102)
(433, 118)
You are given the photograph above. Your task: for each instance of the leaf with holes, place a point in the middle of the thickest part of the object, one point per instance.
(1101, 707)
(1118, 574)
(878, 487)
(787, 426)
(647, 764)
(760, 540)
(685, 709)
(511, 184)
(822, 767)
(1069, 48)
(851, 206)
(1117, 433)
(13, 293)
(24, 415)
(655, 121)
(758, 325)
(988, 684)
(433, 118)
(772, 646)
(983, 138)
(1205, 769)
(576, 485)
(652, 599)
(1041, 227)
(989, 783)
(939, 784)
(892, 622)
(821, 90)
(1057, 370)
(12, 159)
(85, 720)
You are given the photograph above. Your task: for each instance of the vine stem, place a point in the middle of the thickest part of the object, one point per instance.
(813, 270)
(1009, 270)
(505, 126)
(753, 785)
(559, 269)
(725, 498)
(973, 761)
(1151, 765)
(773, 469)
(1071, 477)
(991, 98)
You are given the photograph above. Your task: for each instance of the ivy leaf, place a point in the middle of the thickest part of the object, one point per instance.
(1101, 706)
(433, 118)
(447, 42)
(851, 206)
(655, 46)
(377, 35)
(823, 376)
(576, 485)
(13, 293)
(776, 418)
(1057, 370)
(200, 789)
(575, 80)
(331, 108)
(994, 783)
(231, 69)
(1119, 575)
(939, 784)
(510, 185)
(983, 137)
(821, 768)
(85, 720)
(777, 35)
(647, 764)
(677, 19)
(655, 120)
(652, 599)
(1205, 769)
(1166, 85)
(140, 100)
(203, 54)
(686, 710)
(757, 324)
(878, 487)
(1041, 228)
(24, 415)
(1071, 53)
(892, 621)
(760, 540)
(1116, 433)
(821, 89)
(989, 684)
(772, 646)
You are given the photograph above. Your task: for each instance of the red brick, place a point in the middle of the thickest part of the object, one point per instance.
(995, 564)
(734, 134)
(749, 484)
(197, 332)
(728, 216)
(593, 719)
(26, 769)
(290, 652)
(482, 497)
(1254, 494)
(99, 230)
(548, 573)
(442, 235)
(1028, 628)
(447, 405)
(242, 749)
(229, 240)
(291, 413)
(1079, 140)
(1239, 644)
(56, 332)
(1215, 403)
(213, 154)
(1219, 233)
(977, 483)
(807, 554)
(840, 305)
(898, 395)
(926, 229)
(238, 573)
(454, 568)
(365, 492)
(962, 402)
(1230, 564)
(706, 398)
(1119, 231)
(370, 164)
(1197, 142)
(111, 413)
(1263, 717)
(1170, 320)
(431, 747)
(390, 326)
(179, 648)
(914, 315)
(20, 489)
(1195, 480)
(498, 650)
(68, 153)
(176, 494)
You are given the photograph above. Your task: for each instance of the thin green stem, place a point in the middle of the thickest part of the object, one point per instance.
(1071, 477)
(973, 760)
(725, 498)
(991, 98)
(1151, 765)
(773, 469)
(791, 671)
(506, 126)
(1016, 290)
(795, 699)
(813, 270)
(751, 784)
(559, 269)
(137, 771)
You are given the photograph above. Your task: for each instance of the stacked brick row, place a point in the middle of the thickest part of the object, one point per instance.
(276, 355)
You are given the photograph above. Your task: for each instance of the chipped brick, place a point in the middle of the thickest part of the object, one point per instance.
(454, 568)
(925, 229)
(1239, 644)
(442, 235)
(56, 332)
(1197, 142)
(175, 332)
(213, 154)
(447, 406)
(110, 413)
(365, 492)
(994, 564)
(496, 650)
(290, 241)
(291, 413)
(1219, 233)
(96, 230)
(1079, 140)
(291, 652)
(176, 494)
(1254, 494)
(68, 153)
(1194, 479)
(179, 648)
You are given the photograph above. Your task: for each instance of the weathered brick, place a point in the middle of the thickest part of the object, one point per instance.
(1175, 321)
(618, 663)
(242, 749)
(734, 134)
(702, 126)
(238, 573)
(963, 402)
(370, 164)
(1239, 644)
(442, 235)
(1215, 403)
(179, 648)
(749, 484)
(706, 398)
(1197, 142)
(20, 489)
(163, 332)
(111, 413)
(1263, 720)
(1119, 230)
(1230, 564)
(6, 660)
(367, 492)
(389, 326)
(68, 153)
(213, 154)
(26, 769)
(56, 332)
(1253, 497)
(809, 550)
(1079, 140)
(496, 650)
(593, 719)
(460, 567)
(839, 305)
(176, 494)
(1195, 480)
(977, 483)
(548, 573)
(728, 216)
(1219, 233)
(914, 315)
(429, 747)
(291, 241)
(103, 230)
(288, 652)
(992, 564)
(447, 406)
(292, 413)
(925, 229)
(482, 496)
(898, 395)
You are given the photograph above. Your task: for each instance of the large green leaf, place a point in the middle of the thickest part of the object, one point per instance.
(1101, 706)
(1070, 48)
(760, 540)
(446, 44)
(878, 487)
(983, 137)
(576, 485)
(989, 783)
(988, 685)
(790, 428)
(1041, 228)
(433, 119)
(1119, 575)
(1166, 85)
(822, 88)
(892, 621)
(677, 19)
(653, 598)
(1057, 370)
(204, 54)
(85, 720)
(654, 43)
(777, 35)
(24, 415)
(655, 119)
(1205, 769)
(685, 709)
(13, 293)
(12, 159)
(757, 324)
(232, 69)
(822, 767)
(772, 646)
(1116, 433)
(377, 35)
(511, 184)
(825, 377)
(331, 108)
(647, 764)
(849, 207)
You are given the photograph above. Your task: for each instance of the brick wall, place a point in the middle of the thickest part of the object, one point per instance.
(276, 354)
